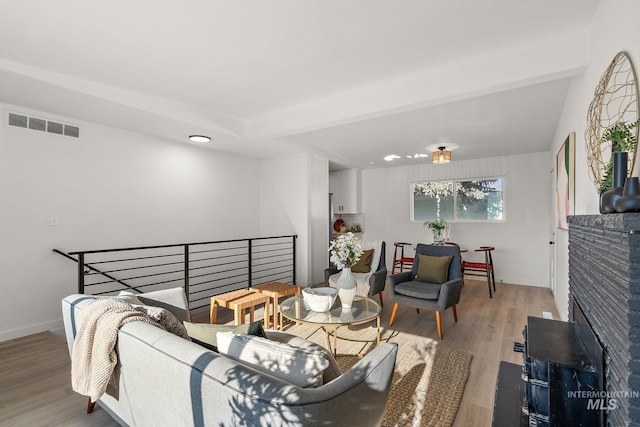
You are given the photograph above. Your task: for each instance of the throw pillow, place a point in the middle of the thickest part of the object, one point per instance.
(165, 318)
(433, 269)
(364, 263)
(298, 366)
(205, 333)
(331, 373)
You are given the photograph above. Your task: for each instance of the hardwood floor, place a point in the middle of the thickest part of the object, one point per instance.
(35, 380)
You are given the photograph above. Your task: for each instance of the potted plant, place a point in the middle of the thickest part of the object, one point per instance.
(623, 140)
(437, 227)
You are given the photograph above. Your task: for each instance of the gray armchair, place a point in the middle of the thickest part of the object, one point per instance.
(377, 280)
(405, 289)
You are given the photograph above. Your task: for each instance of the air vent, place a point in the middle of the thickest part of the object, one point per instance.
(37, 124)
(18, 120)
(53, 127)
(73, 131)
(42, 125)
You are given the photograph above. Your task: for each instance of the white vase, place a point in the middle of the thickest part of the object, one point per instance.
(346, 288)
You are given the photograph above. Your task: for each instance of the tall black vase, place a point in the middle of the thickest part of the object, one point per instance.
(608, 198)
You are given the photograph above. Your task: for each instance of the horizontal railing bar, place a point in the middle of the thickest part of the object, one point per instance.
(274, 262)
(144, 276)
(219, 272)
(246, 280)
(266, 251)
(270, 257)
(135, 259)
(221, 265)
(243, 257)
(124, 289)
(263, 245)
(244, 247)
(137, 248)
(204, 267)
(244, 283)
(223, 277)
(142, 267)
(142, 286)
(265, 276)
(269, 269)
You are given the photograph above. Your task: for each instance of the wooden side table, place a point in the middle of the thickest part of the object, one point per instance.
(275, 291)
(239, 301)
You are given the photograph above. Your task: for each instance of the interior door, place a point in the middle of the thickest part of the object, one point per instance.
(553, 220)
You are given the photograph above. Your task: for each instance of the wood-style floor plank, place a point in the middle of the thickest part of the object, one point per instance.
(35, 383)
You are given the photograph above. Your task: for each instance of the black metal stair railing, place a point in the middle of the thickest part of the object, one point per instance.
(204, 269)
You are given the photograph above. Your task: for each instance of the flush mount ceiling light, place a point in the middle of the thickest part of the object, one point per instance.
(199, 138)
(441, 156)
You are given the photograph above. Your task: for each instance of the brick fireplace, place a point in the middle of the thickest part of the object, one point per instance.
(604, 280)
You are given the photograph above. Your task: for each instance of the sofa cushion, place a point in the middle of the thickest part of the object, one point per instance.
(173, 299)
(433, 269)
(364, 263)
(205, 334)
(418, 289)
(299, 366)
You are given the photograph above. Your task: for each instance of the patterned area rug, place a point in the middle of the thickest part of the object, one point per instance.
(428, 381)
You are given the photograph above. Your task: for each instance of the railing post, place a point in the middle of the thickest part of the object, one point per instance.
(293, 242)
(81, 273)
(250, 266)
(186, 273)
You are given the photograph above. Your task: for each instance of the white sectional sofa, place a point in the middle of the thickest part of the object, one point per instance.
(165, 380)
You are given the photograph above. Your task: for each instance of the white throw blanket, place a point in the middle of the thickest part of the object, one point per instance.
(94, 356)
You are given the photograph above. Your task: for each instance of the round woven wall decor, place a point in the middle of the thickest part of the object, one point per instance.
(614, 100)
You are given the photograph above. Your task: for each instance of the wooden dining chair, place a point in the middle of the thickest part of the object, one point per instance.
(484, 269)
(401, 261)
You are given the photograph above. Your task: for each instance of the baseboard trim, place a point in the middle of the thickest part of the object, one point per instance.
(11, 334)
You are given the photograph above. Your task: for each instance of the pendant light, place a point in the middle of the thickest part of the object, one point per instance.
(441, 156)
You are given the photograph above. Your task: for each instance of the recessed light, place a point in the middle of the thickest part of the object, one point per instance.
(199, 138)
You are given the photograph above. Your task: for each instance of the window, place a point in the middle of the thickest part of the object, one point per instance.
(458, 200)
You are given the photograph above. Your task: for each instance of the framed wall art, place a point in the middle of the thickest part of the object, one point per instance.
(565, 181)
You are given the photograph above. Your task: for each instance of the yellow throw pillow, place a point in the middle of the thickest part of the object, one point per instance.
(364, 263)
(433, 269)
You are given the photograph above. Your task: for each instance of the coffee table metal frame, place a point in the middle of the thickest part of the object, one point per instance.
(363, 310)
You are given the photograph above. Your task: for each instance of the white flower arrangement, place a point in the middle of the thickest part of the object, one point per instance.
(345, 251)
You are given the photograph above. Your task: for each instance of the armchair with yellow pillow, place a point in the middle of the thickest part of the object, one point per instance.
(370, 271)
(434, 282)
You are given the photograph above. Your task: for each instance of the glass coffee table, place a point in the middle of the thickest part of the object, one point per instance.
(363, 310)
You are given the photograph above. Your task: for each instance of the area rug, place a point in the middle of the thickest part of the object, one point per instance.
(429, 378)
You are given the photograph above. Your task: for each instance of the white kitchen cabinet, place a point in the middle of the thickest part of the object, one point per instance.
(345, 186)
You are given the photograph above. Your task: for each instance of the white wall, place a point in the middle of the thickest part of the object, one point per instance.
(522, 241)
(294, 199)
(109, 188)
(615, 28)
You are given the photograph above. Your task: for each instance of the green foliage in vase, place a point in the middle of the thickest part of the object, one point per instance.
(623, 138)
(437, 225)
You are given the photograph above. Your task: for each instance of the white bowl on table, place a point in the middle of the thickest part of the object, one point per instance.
(319, 299)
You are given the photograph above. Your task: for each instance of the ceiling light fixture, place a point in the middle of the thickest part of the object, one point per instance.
(441, 156)
(199, 138)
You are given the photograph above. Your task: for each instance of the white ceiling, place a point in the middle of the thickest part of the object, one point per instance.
(352, 81)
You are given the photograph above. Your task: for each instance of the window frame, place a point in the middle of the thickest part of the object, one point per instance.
(455, 199)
